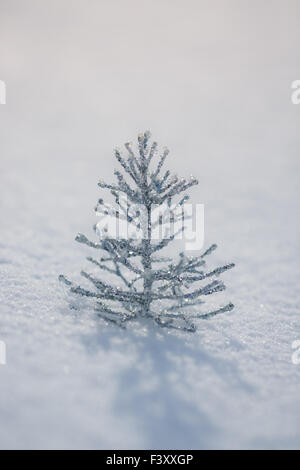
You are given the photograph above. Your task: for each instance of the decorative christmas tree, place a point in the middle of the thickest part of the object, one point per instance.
(154, 287)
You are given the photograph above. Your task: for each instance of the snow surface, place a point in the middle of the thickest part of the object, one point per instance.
(212, 81)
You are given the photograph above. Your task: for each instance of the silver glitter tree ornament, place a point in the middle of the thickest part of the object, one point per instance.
(168, 291)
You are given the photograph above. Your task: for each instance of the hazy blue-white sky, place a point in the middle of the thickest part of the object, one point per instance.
(210, 79)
